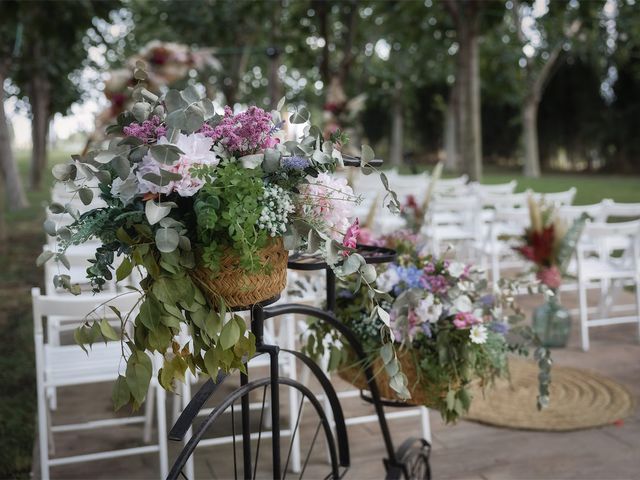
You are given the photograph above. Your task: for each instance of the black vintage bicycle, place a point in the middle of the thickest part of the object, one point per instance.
(323, 450)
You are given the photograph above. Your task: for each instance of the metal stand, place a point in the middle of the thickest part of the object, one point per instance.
(410, 461)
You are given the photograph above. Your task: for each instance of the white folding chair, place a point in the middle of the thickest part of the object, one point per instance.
(61, 366)
(495, 246)
(606, 261)
(454, 220)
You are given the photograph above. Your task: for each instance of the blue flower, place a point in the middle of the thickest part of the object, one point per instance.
(410, 277)
(295, 163)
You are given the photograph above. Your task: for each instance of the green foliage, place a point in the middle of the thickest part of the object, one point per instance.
(227, 212)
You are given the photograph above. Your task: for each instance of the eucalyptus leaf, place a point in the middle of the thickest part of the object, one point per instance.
(86, 195)
(167, 240)
(44, 257)
(157, 211)
(191, 94)
(141, 111)
(50, 227)
(64, 171)
(104, 156)
(163, 179)
(121, 166)
(174, 101)
(165, 154)
(56, 208)
(367, 154)
(301, 115)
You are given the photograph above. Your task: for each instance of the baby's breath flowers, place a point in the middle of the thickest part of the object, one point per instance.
(277, 208)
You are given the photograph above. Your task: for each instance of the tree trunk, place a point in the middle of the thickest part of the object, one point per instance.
(469, 146)
(40, 110)
(530, 138)
(9, 171)
(451, 162)
(397, 127)
(476, 113)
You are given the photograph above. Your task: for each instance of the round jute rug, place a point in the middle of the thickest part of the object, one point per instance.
(579, 399)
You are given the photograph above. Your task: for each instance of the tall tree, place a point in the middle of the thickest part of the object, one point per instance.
(9, 40)
(466, 18)
(545, 40)
(51, 49)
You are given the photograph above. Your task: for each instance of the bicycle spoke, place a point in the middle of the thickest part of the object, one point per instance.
(183, 475)
(264, 397)
(293, 437)
(313, 442)
(233, 434)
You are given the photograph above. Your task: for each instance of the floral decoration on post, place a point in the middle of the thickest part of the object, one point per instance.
(448, 326)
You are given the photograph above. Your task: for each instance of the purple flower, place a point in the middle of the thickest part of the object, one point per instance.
(436, 284)
(294, 163)
(487, 300)
(426, 328)
(499, 327)
(148, 131)
(244, 133)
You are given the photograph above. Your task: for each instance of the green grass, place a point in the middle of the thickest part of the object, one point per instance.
(18, 274)
(590, 188)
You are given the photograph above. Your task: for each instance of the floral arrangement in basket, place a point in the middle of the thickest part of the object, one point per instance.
(450, 330)
(205, 207)
(549, 242)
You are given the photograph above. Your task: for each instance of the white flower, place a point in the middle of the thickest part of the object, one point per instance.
(429, 311)
(478, 334)
(456, 269)
(196, 150)
(462, 304)
(387, 280)
(126, 189)
(252, 161)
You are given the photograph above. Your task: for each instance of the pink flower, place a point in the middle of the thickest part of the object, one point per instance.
(147, 131)
(465, 320)
(550, 276)
(244, 133)
(271, 142)
(328, 202)
(351, 237)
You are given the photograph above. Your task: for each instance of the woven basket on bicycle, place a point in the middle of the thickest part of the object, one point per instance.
(239, 288)
(423, 392)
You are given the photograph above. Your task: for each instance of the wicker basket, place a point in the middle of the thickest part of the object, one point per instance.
(241, 289)
(422, 392)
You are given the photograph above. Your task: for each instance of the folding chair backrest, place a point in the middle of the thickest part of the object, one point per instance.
(557, 198)
(571, 212)
(496, 189)
(79, 306)
(621, 238)
(620, 210)
(505, 201)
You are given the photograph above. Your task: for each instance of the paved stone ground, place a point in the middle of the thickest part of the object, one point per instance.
(464, 451)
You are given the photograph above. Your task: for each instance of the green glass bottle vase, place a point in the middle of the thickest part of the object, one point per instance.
(552, 323)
